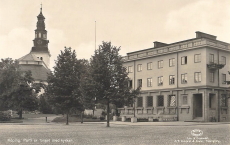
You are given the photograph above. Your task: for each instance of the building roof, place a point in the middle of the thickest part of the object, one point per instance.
(29, 57)
(199, 35)
(39, 72)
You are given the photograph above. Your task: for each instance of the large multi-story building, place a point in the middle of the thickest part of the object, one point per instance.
(183, 81)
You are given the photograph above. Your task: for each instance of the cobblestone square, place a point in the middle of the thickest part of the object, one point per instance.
(117, 134)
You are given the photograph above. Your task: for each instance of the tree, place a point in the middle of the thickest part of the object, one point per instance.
(87, 94)
(18, 90)
(109, 76)
(64, 83)
(44, 105)
(134, 94)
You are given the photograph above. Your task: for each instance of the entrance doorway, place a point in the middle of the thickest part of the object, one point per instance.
(197, 105)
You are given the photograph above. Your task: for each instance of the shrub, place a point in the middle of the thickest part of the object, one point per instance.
(102, 118)
(128, 120)
(94, 117)
(75, 115)
(142, 120)
(155, 120)
(88, 116)
(5, 116)
(103, 113)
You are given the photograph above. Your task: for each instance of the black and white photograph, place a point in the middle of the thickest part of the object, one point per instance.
(115, 72)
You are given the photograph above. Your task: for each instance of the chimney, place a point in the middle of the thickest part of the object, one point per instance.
(159, 44)
(204, 35)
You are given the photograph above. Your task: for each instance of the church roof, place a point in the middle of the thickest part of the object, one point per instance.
(29, 57)
(39, 72)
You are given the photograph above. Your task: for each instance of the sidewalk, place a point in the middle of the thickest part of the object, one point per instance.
(174, 123)
(42, 121)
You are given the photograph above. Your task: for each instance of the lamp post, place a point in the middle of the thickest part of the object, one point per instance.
(134, 101)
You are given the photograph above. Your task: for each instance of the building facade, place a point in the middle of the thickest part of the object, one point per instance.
(38, 60)
(183, 81)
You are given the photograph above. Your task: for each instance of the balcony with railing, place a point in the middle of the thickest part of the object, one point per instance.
(214, 65)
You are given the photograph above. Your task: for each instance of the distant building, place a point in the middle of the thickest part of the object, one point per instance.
(38, 60)
(183, 81)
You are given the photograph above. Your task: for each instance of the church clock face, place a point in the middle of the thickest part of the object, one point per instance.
(39, 41)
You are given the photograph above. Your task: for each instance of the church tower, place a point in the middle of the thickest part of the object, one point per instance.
(40, 48)
(38, 60)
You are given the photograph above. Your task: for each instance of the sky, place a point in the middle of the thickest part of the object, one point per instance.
(131, 25)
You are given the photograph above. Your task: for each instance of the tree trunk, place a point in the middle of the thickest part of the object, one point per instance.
(82, 117)
(107, 113)
(20, 113)
(67, 119)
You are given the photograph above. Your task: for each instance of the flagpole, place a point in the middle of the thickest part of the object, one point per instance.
(95, 34)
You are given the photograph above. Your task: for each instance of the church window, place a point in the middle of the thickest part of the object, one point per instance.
(39, 35)
(41, 58)
(35, 34)
(44, 35)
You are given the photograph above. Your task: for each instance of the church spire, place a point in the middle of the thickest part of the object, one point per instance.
(40, 40)
(41, 19)
(40, 48)
(41, 8)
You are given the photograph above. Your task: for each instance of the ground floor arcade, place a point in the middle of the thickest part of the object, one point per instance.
(188, 104)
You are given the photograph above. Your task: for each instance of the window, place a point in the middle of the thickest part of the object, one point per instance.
(149, 66)
(211, 58)
(224, 78)
(185, 100)
(149, 101)
(160, 81)
(44, 35)
(130, 84)
(184, 78)
(160, 100)
(36, 35)
(140, 102)
(184, 60)
(41, 58)
(171, 79)
(223, 60)
(172, 62)
(197, 77)
(160, 64)
(211, 77)
(130, 69)
(39, 35)
(149, 82)
(139, 81)
(171, 101)
(139, 67)
(197, 58)
(223, 100)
